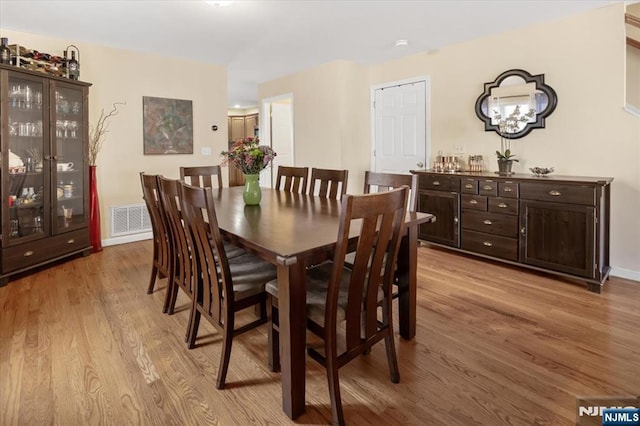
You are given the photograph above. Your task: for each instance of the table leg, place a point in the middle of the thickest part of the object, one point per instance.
(293, 326)
(407, 283)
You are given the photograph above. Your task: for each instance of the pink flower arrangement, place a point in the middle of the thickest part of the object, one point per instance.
(247, 155)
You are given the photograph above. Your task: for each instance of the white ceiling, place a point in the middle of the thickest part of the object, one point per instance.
(261, 40)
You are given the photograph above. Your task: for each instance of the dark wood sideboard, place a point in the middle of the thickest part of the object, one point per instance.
(556, 224)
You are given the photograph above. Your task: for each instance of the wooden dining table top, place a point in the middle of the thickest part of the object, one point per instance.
(285, 225)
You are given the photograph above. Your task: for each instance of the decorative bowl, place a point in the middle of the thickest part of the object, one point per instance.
(541, 171)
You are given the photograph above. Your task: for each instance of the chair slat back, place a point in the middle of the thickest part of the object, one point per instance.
(202, 176)
(214, 291)
(386, 181)
(170, 198)
(161, 243)
(381, 217)
(292, 179)
(329, 183)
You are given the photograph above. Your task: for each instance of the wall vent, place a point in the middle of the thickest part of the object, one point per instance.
(130, 219)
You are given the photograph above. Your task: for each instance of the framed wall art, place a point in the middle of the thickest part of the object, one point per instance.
(168, 126)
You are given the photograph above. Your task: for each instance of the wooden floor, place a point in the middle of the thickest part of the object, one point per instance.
(82, 344)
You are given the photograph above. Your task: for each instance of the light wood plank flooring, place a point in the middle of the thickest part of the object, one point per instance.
(81, 343)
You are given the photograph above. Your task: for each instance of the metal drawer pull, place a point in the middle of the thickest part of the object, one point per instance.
(71, 241)
(468, 186)
(455, 220)
(523, 231)
(436, 183)
(503, 205)
(555, 193)
(507, 189)
(28, 253)
(487, 187)
(487, 222)
(487, 243)
(473, 202)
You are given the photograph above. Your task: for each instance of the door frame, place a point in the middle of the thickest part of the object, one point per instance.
(265, 125)
(427, 121)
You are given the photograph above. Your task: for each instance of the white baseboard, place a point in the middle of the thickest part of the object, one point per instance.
(626, 274)
(127, 239)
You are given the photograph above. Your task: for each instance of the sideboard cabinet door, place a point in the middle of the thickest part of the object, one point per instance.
(558, 236)
(446, 207)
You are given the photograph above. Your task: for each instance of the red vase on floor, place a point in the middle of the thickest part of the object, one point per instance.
(94, 212)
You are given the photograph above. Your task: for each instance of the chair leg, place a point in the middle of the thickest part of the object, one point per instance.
(226, 352)
(334, 391)
(167, 296)
(389, 343)
(174, 299)
(391, 357)
(273, 337)
(152, 280)
(263, 314)
(190, 322)
(194, 323)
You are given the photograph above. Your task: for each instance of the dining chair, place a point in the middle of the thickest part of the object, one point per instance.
(350, 297)
(180, 272)
(330, 183)
(292, 179)
(202, 176)
(377, 182)
(223, 286)
(161, 243)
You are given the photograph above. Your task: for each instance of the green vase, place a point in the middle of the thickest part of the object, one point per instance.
(252, 193)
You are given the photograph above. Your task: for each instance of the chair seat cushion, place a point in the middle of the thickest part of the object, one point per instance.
(250, 273)
(232, 250)
(318, 278)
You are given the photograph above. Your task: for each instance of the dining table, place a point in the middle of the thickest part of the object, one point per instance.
(293, 231)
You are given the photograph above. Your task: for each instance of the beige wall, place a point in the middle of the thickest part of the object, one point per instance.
(589, 134)
(331, 113)
(120, 75)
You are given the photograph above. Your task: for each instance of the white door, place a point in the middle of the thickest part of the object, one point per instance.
(277, 132)
(400, 128)
(281, 135)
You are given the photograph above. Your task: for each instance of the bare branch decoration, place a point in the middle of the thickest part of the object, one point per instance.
(97, 132)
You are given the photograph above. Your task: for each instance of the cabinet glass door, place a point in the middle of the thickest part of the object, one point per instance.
(27, 129)
(68, 158)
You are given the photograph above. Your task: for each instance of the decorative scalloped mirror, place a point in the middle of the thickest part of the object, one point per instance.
(516, 89)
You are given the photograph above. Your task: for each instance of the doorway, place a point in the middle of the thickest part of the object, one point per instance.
(277, 132)
(400, 126)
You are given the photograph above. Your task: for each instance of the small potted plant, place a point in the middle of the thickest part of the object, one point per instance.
(507, 127)
(505, 160)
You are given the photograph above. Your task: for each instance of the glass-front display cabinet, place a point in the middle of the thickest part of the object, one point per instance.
(44, 170)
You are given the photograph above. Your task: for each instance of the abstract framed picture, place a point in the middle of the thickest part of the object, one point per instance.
(168, 126)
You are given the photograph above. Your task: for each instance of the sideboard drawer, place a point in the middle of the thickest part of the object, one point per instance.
(439, 183)
(488, 187)
(571, 194)
(34, 252)
(491, 223)
(491, 245)
(508, 189)
(469, 186)
(474, 202)
(503, 205)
